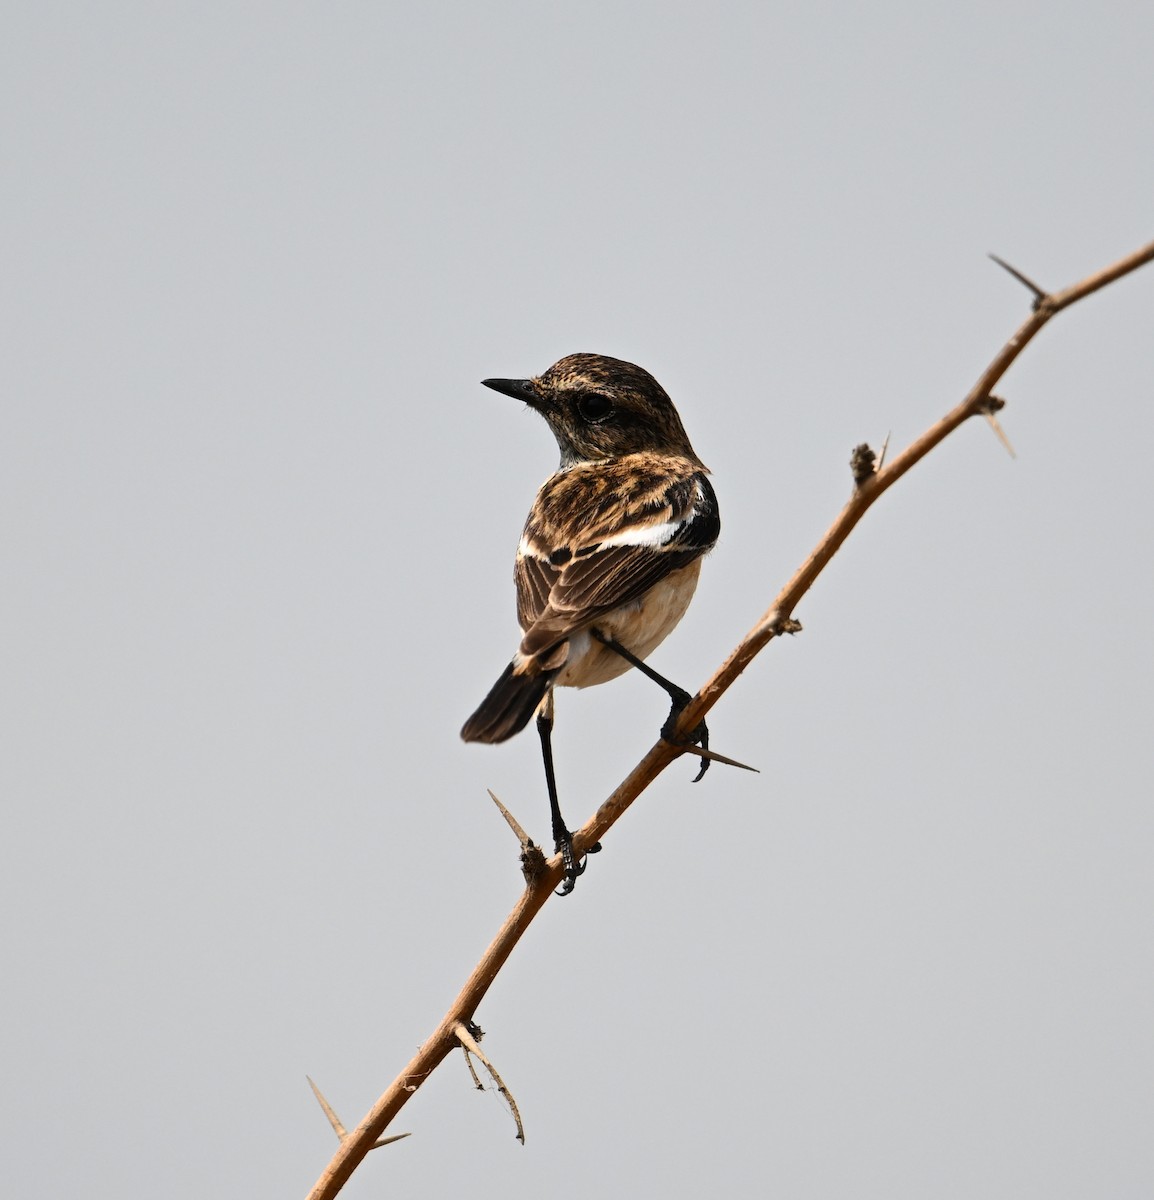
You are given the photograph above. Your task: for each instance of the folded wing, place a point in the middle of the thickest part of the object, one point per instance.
(567, 578)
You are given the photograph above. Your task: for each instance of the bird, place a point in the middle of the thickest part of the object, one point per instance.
(610, 554)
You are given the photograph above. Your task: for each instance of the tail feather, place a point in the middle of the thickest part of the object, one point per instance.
(507, 708)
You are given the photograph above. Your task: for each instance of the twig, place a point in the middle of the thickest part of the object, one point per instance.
(470, 1046)
(777, 619)
(472, 1070)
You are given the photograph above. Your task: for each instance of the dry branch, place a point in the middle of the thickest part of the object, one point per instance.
(870, 483)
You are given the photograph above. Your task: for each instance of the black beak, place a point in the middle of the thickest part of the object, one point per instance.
(519, 389)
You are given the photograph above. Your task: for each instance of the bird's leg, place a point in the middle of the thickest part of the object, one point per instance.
(562, 838)
(679, 696)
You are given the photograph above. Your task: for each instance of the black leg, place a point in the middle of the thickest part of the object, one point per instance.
(679, 696)
(562, 838)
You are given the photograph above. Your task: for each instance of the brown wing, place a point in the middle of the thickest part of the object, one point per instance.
(564, 588)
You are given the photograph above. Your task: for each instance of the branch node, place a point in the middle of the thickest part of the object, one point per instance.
(469, 1036)
(773, 624)
(1040, 294)
(862, 464)
(534, 864)
(784, 625)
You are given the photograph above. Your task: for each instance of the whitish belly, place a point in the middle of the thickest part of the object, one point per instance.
(640, 627)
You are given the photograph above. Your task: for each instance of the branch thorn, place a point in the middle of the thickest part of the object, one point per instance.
(1039, 293)
(989, 409)
(521, 836)
(713, 756)
(385, 1141)
(882, 455)
(532, 856)
(327, 1108)
(335, 1121)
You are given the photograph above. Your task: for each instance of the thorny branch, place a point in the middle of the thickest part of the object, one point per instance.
(870, 482)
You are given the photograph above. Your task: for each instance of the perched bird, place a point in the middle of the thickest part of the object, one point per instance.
(611, 551)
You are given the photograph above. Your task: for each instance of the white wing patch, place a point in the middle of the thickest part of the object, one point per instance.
(645, 535)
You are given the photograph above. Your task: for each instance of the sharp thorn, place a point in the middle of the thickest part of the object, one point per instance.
(882, 455)
(519, 833)
(999, 432)
(386, 1141)
(713, 756)
(327, 1108)
(1024, 280)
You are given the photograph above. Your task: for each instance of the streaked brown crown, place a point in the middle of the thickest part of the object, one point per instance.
(600, 407)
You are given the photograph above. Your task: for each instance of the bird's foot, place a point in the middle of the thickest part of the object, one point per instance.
(573, 868)
(698, 736)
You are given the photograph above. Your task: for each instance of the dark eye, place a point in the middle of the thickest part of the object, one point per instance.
(594, 407)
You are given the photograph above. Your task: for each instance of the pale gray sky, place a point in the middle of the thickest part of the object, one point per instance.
(259, 519)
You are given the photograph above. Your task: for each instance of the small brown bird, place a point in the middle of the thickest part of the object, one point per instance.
(611, 551)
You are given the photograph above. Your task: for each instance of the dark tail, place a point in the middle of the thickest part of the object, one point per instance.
(508, 706)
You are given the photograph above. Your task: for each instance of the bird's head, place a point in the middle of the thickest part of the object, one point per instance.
(601, 408)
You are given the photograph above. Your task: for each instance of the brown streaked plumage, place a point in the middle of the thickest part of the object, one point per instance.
(612, 547)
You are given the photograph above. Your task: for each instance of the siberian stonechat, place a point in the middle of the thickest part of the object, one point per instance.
(611, 551)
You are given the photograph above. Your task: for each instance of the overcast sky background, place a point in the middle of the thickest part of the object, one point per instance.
(258, 527)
